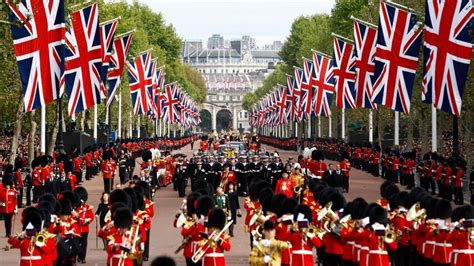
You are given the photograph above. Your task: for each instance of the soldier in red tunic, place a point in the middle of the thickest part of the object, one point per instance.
(214, 247)
(458, 182)
(345, 166)
(123, 243)
(377, 243)
(303, 243)
(8, 202)
(85, 216)
(462, 236)
(107, 172)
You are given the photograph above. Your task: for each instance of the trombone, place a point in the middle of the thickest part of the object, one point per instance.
(209, 243)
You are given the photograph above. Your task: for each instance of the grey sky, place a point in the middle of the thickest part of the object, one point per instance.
(265, 20)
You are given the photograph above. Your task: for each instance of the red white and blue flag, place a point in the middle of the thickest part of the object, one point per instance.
(39, 48)
(344, 73)
(140, 77)
(324, 84)
(282, 94)
(307, 88)
(170, 109)
(290, 99)
(365, 37)
(396, 57)
(299, 75)
(117, 61)
(157, 95)
(83, 60)
(447, 52)
(107, 34)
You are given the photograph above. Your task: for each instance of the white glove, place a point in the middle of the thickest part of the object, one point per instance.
(267, 259)
(266, 242)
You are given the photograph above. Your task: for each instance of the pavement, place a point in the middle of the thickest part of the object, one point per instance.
(165, 238)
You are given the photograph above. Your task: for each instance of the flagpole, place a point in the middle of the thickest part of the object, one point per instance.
(343, 123)
(106, 115)
(169, 131)
(138, 127)
(119, 122)
(130, 127)
(43, 130)
(330, 126)
(371, 126)
(396, 140)
(309, 127)
(434, 129)
(319, 126)
(95, 123)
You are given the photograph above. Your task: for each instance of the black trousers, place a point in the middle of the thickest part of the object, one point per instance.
(146, 255)
(8, 217)
(346, 183)
(89, 172)
(28, 195)
(79, 176)
(108, 184)
(189, 262)
(19, 198)
(83, 245)
(123, 175)
(332, 260)
(458, 197)
(37, 192)
(181, 186)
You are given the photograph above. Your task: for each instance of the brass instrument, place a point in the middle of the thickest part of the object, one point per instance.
(40, 239)
(416, 214)
(313, 231)
(183, 244)
(257, 217)
(210, 242)
(390, 236)
(298, 189)
(182, 218)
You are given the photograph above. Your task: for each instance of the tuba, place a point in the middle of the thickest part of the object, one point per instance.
(416, 214)
(210, 242)
(258, 218)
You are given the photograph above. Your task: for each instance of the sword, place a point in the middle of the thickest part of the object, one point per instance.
(96, 234)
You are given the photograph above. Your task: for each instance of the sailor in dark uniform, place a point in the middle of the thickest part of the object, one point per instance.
(241, 170)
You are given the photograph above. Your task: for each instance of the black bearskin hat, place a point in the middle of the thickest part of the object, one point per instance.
(66, 206)
(82, 192)
(443, 209)
(123, 218)
(133, 198)
(146, 188)
(302, 210)
(191, 203)
(358, 207)
(378, 215)
(289, 205)
(68, 166)
(265, 197)
(277, 204)
(383, 186)
(163, 261)
(338, 201)
(107, 155)
(268, 225)
(204, 205)
(32, 215)
(119, 195)
(217, 218)
(7, 180)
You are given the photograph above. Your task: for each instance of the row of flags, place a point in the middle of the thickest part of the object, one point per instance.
(379, 66)
(83, 60)
(157, 100)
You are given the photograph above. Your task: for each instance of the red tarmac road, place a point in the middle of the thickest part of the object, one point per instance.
(165, 238)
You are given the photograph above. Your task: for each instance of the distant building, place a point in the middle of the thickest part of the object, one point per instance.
(216, 41)
(191, 46)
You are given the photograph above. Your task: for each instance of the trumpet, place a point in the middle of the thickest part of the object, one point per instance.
(209, 243)
(390, 236)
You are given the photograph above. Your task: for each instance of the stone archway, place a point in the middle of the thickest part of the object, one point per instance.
(206, 120)
(223, 120)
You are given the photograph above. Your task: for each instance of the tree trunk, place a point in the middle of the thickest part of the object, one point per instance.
(16, 131)
(53, 136)
(31, 138)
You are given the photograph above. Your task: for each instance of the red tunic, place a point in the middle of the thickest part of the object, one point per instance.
(284, 186)
(106, 169)
(283, 233)
(32, 256)
(85, 217)
(463, 251)
(8, 200)
(442, 247)
(215, 256)
(345, 167)
(377, 254)
(302, 253)
(115, 255)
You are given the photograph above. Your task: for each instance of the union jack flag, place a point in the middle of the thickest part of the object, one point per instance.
(299, 75)
(293, 96)
(170, 109)
(282, 95)
(39, 49)
(290, 101)
(121, 48)
(396, 57)
(140, 77)
(364, 51)
(344, 73)
(107, 34)
(307, 88)
(83, 60)
(447, 53)
(324, 84)
(157, 96)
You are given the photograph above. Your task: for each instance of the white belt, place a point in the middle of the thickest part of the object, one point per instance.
(302, 252)
(381, 252)
(456, 252)
(423, 247)
(446, 245)
(214, 255)
(352, 243)
(119, 256)
(31, 258)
